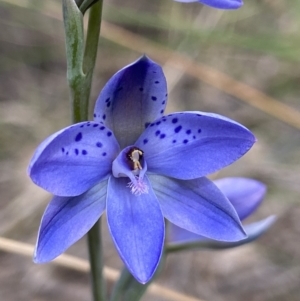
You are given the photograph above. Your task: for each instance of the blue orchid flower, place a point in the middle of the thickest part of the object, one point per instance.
(141, 167)
(246, 196)
(221, 4)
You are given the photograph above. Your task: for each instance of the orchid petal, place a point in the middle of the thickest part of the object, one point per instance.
(198, 206)
(190, 145)
(132, 98)
(66, 220)
(74, 159)
(180, 239)
(244, 194)
(136, 225)
(222, 4)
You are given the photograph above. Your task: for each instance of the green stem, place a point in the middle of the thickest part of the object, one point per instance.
(127, 288)
(81, 61)
(86, 4)
(121, 285)
(96, 262)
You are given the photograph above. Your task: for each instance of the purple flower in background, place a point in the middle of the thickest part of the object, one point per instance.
(222, 4)
(245, 195)
(140, 166)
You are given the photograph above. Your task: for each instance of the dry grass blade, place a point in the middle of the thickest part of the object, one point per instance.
(213, 77)
(81, 265)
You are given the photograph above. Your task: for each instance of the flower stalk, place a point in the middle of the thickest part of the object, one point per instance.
(96, 262)
(81, 58)
(81, 61)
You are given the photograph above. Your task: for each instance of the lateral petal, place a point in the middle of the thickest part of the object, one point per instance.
(190, 145)
(74, 159)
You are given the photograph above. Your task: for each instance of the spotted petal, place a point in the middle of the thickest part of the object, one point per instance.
(137, 227)
(244, 194)
(222, 4)
(198, 206)
(132, 98)
(190, 145)
(66, 220)
(73, 160)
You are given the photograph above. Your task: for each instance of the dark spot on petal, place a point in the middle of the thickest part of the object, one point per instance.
(199, 131)
(163, 102)
(84, 152)
(154, 71)
(82, 126)
(158, 123)
(76, 151)
(104, 117)
(78, 137)
(99, 144)
(107, 99)
(161, 111)
(95, 125)
(178, 129)
(103, 154)
(157, 133)
(109, 134)
(162, 136)
(145, 141)
(174, 120)
(156, 82)
(199, 115)
(185, 141)
(108, 104)
(194, 137)
(154, 98)
(166, 95)
(62, 149)
(102, 128)
(188, 132)
(95, 115)
(141, 89)
(152, 124)
(147, 124)
(174, 141)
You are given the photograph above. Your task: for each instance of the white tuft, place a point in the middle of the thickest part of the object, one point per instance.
(138, 187)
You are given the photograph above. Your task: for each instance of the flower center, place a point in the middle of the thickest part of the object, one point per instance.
(135, 155)
(131, 163)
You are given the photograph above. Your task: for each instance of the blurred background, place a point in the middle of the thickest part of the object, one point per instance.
(243, 64)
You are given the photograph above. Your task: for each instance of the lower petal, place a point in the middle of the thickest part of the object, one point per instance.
(136, 225)
(66, 220)
(198, 206)
(180, 239)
